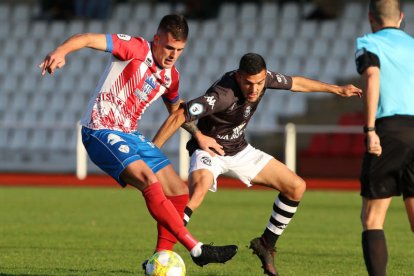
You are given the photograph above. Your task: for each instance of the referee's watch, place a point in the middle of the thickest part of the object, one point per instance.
(367, 129)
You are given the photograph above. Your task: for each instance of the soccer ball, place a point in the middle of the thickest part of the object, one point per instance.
(165, 263)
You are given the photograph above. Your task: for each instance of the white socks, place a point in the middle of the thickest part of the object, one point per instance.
(196, 250)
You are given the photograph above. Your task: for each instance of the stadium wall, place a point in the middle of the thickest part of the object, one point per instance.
(70, 180)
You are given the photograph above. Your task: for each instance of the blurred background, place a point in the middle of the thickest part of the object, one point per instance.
(39, 115)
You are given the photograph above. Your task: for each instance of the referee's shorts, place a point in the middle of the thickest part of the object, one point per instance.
(392, 173)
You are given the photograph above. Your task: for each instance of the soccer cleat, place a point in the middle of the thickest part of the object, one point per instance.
(144, 266)
(266, 255)
(215, 254)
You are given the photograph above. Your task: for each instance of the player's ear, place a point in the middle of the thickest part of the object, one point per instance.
(371, 18)
(156, 39)
(237, 75)
(401, 23)
(373, 21)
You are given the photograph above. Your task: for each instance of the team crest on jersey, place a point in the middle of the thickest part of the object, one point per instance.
(247, 111)
(281, 78)
(196, 109)
(167, 80)
(278, 77)
(123, 148)
(113, 139)
(148, 62)
(147, 87)
(124, 37)
(206, 160)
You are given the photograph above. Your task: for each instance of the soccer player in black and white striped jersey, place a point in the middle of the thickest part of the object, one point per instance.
(223, 114)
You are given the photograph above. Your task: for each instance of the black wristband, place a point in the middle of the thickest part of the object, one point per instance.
(366, 129)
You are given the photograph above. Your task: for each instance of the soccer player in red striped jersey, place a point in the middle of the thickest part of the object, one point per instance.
(139, 72)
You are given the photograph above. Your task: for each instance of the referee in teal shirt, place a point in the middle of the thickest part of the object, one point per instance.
(385, 59)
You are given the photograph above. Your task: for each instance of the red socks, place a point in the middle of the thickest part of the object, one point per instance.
(164, 212)
(166, 240)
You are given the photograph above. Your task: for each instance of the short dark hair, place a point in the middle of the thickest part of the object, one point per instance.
(174, 24)
(252, 64)
(385, 10)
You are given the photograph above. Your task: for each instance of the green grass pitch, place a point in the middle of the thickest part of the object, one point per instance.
(108, 231)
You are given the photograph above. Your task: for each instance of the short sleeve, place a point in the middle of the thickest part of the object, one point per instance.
(125, 47)
(365, 59)
(212, 102)
(278, 81)
(366, 54)
(171, 96)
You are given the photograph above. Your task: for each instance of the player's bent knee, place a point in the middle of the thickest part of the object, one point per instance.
(300, 187)
(139, 179)
(296, 189)
(301, 184)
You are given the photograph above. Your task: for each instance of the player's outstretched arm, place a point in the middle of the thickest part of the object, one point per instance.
(208, 144)
(177, 119)
(302, 84)
(170, 125)
(56, 59)
(205, 142)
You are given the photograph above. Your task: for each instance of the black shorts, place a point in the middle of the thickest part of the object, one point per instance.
(392, 173)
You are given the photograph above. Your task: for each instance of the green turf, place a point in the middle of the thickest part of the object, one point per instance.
(83, 231)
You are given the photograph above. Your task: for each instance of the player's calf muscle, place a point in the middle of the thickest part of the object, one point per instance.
(197, 198)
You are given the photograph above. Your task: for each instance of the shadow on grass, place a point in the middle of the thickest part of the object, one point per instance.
(68, 271)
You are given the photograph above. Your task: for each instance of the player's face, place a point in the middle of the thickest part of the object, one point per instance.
(167, 49)
(251, 85)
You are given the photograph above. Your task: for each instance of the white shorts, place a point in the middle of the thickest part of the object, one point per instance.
(245, 165)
